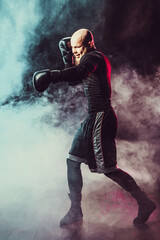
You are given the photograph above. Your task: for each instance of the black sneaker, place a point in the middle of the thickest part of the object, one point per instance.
(74, 215)
(145, 210)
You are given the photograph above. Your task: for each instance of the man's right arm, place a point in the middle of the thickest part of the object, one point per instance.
(42, 79)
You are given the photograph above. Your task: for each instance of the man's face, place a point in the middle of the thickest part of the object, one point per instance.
(78, 49)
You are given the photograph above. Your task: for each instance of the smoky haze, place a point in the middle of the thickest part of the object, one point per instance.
(37, 128)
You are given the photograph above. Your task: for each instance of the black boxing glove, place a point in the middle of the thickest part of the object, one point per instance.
(66, 51)
(42, 79)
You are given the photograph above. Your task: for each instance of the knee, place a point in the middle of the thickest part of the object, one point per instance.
(73, 164)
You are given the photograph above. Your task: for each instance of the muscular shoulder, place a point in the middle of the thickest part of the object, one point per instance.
(94, 56)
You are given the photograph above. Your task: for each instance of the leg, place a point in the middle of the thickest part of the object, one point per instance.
(123, 179)
(75, 184)
(74, 176)
(146, 206)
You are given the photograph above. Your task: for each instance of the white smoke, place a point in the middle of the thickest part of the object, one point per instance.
(136, 102)
(33, 164)
(32, 153)
(18, 19)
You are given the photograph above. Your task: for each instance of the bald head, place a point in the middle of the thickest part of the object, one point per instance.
(83, 36)
(81, 42)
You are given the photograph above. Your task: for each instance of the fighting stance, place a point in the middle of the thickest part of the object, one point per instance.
(94, 142)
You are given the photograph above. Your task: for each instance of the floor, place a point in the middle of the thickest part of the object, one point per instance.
(108, 214)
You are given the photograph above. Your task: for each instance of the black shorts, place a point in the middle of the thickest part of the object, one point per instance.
(94, 142)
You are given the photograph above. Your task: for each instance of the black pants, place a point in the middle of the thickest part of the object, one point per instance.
(75, 181)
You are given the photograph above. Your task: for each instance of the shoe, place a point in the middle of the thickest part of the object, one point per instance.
(74, 214)
(146, 207)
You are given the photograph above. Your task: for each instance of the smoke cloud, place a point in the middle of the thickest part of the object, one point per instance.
(18, 20)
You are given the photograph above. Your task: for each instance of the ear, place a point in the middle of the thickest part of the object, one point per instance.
(90, 44)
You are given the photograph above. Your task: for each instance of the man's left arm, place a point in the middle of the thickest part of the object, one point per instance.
(66, 51)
